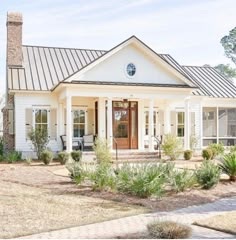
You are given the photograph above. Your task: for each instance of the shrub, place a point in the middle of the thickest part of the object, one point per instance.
(168, 230)
(228, 165)
(180, 180)
(63, 157)
(193, 142)
(145, 180)
(232, 149)
(13, 156)
(102, 151)
(207, 154)
(172, 146)
(207, 175)
(217, 149)
(46, 157)
(77, 171)
(76, 155)
(188, 154)
(103, 177)
(28, 160)
(39, 138)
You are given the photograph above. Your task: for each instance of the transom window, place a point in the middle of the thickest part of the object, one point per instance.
(131, 69)
(78, 123)
(41, 118)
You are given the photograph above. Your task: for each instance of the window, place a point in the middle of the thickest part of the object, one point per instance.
(78, 123)
(131, 69)
(180, 124)
(155, 113)
(41, 118)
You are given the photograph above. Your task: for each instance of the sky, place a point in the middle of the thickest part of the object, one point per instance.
(189, 30)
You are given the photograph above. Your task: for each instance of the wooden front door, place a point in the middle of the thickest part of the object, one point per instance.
(125, 124)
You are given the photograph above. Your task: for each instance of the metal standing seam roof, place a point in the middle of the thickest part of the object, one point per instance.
(45, 67)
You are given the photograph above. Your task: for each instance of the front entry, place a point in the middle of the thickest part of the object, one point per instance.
(125, 124)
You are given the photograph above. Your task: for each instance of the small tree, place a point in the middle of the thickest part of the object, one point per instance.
(39, 138)
(102, 151)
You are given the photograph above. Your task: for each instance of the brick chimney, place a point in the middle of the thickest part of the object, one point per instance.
(14, 38)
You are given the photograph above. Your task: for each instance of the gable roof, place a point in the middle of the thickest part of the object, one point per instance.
(46, 67)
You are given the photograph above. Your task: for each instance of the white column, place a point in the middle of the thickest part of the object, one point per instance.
(109, 123)
(200, 126)
(60, 119)
(167, 115)
(187, 124)
(151, 126)
(68, 125)
(141, 124)
(101, 118)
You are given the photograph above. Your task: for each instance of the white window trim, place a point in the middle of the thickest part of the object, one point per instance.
(85, 109)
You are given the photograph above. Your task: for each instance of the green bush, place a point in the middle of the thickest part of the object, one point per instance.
(193, 142)
(228, 165)
(168, 230)
(145, 180)
(188, 154)
(217, 149)
(13, 156)
(102, 151)
(103, 177)
(207, 154)
(76, 155)
(63, 157)
(208, 174)
(78, 172)
(39, 138)
(172, 146)
(180, 180)
(232, 149)
(46, 157)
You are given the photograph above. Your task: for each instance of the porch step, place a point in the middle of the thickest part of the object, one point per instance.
(124, 156)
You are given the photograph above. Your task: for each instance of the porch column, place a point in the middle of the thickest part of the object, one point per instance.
(60, 119)
(141, 124)
(167, 115)
(68, 125)
(187, 124)
(109, 123)
(200, 126)
(151, 126)
(101, 118)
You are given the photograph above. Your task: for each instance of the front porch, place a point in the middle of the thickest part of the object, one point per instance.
(125, 120)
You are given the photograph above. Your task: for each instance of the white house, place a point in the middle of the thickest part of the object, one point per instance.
(128, 94)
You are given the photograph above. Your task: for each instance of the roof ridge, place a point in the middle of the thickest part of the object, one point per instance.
(197, 66)
(72, 48)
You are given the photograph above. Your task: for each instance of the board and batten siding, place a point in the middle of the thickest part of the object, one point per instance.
(24, 103)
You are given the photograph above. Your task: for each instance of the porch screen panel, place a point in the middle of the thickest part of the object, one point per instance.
(28, 122)
(227, 126)
(90, 121)
(53, 125)
(173, 123)
(209, 122)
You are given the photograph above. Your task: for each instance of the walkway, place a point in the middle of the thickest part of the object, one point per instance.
(129, 225)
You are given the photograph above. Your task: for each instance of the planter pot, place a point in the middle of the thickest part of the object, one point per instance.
(232, 178)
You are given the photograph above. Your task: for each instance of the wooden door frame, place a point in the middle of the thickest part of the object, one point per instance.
(129, 120)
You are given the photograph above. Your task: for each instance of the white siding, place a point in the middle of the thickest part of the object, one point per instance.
(26, 101)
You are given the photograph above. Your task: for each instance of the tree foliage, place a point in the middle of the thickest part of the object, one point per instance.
(229, 44)
(227, 71)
